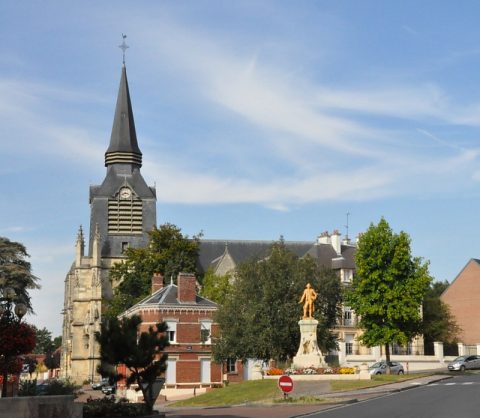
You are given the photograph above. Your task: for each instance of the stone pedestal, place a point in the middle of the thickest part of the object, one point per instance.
(308, 354)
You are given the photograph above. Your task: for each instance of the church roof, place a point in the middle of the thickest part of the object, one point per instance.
(211, 251)
(123, 147)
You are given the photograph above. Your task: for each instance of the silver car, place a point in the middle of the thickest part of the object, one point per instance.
(380, 367)
(463, 363)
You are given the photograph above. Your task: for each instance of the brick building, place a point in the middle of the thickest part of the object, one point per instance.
(463, 298)
(190, 320)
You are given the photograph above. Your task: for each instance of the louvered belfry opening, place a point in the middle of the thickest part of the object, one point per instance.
(125, 216)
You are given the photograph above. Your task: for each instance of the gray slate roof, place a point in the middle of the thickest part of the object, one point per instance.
(123, 140)
(169, 296)
(240, 251)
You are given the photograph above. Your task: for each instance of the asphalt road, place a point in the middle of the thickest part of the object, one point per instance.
(453, 398)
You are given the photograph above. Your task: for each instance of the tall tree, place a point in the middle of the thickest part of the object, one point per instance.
(15, 280)
(389, 287)
(15, 271)
(169, 252)
(120, 343)
(259, 317)
(216, 287)
(44, 342)
(438, 323)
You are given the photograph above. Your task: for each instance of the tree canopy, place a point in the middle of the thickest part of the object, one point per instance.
(15, 337)
(216, 287)
(142, 354)
(169, 252)
(388, 288)
(260, 314)
(15, 271)
(438, 322)
(44, 343)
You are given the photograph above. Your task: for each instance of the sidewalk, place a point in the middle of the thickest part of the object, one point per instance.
(320, 389)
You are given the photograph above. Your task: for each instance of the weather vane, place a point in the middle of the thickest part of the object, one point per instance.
(123, 47)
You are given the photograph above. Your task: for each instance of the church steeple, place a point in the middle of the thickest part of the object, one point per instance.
(123, 147)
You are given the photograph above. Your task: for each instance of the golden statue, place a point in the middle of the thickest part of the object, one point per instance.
(309, 296)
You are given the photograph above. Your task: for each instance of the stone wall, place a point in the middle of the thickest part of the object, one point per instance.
(40, 407)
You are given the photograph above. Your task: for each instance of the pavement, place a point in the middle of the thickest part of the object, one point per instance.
(318, 389)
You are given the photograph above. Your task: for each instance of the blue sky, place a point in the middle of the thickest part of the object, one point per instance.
(255, 119)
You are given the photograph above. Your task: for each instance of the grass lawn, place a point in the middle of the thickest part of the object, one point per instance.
(382, 379)
(233, 394)
(267, 391)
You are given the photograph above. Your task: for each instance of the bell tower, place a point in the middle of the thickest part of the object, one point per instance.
(123, 207)
(122, 212)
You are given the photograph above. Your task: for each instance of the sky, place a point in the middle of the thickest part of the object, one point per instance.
(256, 119)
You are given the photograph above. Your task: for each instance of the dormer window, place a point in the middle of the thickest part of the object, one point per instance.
(125, 213)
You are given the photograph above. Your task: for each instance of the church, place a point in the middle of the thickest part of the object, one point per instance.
(122, 212)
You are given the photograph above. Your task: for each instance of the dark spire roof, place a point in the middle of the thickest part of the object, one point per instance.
(123, 147)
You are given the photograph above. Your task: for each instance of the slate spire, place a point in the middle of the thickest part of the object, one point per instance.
(123, 147)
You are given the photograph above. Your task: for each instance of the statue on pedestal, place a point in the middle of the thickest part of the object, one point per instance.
(308, 354)
(309, 296)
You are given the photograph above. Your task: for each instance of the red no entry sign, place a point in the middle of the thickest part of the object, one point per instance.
(285, 383)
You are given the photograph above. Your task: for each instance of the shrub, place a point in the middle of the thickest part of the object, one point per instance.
(48, 388)
(110, 407)
(28, 388)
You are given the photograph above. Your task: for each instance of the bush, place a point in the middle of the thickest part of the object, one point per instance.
(48, 388)
(28, 388)
(109, 407)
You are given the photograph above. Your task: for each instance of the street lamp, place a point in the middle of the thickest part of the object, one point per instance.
(11, 313)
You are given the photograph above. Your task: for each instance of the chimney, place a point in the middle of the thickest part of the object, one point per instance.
(323, 238)
(336, 242)
(157, 282)
(187, 288)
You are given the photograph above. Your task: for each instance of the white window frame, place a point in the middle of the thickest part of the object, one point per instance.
(206, 325)
(172, 331)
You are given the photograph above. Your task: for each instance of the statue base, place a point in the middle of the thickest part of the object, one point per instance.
(308, 354)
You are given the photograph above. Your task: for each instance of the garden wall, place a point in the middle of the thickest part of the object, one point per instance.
(61, 406)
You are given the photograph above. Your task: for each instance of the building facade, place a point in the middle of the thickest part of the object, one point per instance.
(122, 211)
(191, 326)
(463, 298)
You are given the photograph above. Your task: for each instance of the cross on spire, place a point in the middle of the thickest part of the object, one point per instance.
(123, 47)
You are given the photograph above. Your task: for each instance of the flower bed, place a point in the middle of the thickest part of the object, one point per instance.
(273, 371)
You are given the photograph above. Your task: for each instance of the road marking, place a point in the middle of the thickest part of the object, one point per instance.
(468, 383)
(450, 384)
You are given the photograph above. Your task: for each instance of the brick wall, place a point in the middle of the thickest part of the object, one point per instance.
(463, 297)
(187, 288)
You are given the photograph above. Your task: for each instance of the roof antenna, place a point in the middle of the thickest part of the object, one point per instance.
(123, 47)
(346, 226)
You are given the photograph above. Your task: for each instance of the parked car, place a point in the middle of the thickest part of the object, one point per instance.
(101, 384)
(380, 367)
(463, 363)
(109, 390)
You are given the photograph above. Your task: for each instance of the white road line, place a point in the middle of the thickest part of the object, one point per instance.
(468, 383)
(450, 384)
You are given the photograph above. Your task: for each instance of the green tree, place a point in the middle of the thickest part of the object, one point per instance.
(52, 360)
(438, 322)
(216, 288)
(57, 342)
(388, 288)
(120, 343)
(259, 317)
(44, 340)
(15, 271)
(169, 252)
(15, 280)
